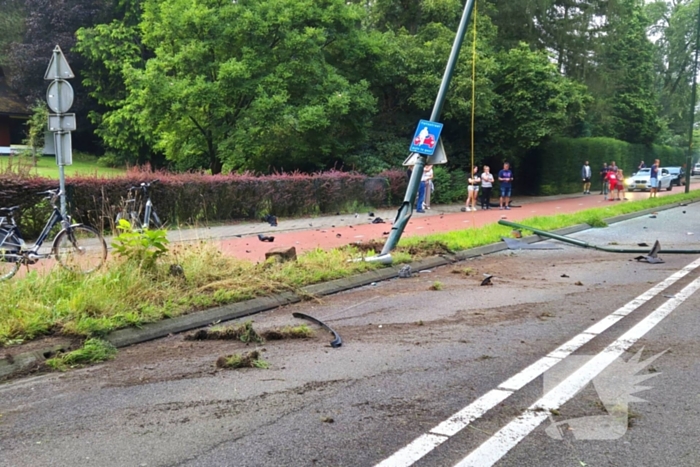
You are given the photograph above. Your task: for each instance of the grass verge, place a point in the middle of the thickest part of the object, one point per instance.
(122, 295)
(492, 233)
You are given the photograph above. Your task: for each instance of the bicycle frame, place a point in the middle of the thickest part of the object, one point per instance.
(32, 253)
(141, 193)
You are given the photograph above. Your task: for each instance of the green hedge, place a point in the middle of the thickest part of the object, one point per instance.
(555, 167)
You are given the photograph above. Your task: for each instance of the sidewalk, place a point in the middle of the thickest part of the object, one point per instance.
(325, 232)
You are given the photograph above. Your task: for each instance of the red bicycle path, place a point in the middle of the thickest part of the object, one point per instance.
(360, 229)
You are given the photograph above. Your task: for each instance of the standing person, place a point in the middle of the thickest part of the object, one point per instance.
(505, 177)
(620, 187)
(428, 177)
(612, 181)
(642, 165)
(654, 178)
(421, 193)
(604, 179)
(486, 187)
(586, 176)
(473, 189)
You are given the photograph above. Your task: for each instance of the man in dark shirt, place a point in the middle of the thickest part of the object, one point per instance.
(505, 177)
(603, 179)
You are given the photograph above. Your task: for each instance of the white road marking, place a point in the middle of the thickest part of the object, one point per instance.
(509, 436)
(425, 443)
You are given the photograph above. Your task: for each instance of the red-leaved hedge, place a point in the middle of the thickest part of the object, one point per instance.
(197, 198)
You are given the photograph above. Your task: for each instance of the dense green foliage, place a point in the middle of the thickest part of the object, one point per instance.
(270, 85)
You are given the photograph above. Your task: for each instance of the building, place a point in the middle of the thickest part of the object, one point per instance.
(14, 114)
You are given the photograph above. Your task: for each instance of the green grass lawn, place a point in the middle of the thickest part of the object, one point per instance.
(46, 167)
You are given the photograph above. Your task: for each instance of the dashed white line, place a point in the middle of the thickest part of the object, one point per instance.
(425, 443)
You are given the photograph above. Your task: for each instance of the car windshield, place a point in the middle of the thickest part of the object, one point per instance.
(643, 172)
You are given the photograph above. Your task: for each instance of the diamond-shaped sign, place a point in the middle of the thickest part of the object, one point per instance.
(58, 66)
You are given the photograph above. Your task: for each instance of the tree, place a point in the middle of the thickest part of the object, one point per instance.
(535, 101)
(627, 76)
(247, 84)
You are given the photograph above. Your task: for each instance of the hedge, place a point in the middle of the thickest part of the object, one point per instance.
(198, 198)
(555, 167)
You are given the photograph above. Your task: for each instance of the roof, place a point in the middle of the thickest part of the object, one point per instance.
(11, 103)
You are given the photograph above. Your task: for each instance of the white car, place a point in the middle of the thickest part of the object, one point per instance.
(696, 169)
(640, 180)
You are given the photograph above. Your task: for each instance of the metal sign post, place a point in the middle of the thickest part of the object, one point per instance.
(406, 208)
(59, 97)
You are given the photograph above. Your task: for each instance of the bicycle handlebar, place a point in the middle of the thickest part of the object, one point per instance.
(144, 185)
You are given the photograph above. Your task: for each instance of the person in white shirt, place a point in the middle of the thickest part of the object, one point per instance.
(486, 187)
(472, 190)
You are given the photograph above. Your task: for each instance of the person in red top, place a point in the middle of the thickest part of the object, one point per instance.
(612, 181)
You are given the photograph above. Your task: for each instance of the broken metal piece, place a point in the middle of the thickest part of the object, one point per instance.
(514, 244)
(487, 281)
(336, 342)
(405, 272)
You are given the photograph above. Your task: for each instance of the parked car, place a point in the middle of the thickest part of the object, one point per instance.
(696, 169)
(640, 180)
(677, 175)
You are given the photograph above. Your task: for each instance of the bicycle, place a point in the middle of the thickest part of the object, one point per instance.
(132, 215)
(78, 248)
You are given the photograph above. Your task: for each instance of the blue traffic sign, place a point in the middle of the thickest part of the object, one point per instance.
(426, 137)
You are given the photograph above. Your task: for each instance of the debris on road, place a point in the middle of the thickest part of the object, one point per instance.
(272, 220)
(247, 360)
(265, 238)
(338, 235)
(487, 281)
(405, 272)
(564, 275)
(282, 254)
(288, 332)
(378, 220)
(242, 332)
(578, 283)
(336, 342)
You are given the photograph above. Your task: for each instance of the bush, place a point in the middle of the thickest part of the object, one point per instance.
(194, 197)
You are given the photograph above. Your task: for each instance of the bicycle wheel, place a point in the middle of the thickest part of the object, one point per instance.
(80, 249)
(9, 256)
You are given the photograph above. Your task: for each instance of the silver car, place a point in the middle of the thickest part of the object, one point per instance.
(641, 180)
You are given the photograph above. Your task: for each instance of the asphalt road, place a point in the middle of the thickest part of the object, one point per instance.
(412, 358)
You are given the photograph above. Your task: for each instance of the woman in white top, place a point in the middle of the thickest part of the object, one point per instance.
(473, 190)
(486, 187)
(428, 179)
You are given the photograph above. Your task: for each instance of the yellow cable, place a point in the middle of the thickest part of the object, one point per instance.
(471, 174)
(473, 85)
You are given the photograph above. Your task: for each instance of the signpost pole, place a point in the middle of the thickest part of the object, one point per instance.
(59, 97)
(406, 209)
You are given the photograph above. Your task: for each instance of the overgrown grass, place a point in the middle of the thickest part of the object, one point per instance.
(93, 351)
(122, 295)
(491, 233)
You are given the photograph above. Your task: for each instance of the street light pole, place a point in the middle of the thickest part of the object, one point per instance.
(689, 158)
(406, 208)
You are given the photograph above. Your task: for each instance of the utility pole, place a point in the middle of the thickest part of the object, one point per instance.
(689, 158)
